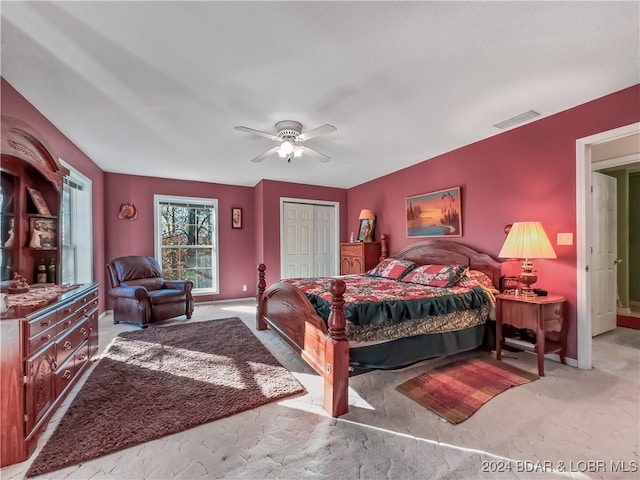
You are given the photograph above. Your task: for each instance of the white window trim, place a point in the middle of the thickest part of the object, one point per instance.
(88, 185)
(157, 240)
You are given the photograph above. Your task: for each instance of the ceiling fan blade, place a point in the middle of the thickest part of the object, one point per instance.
(316, 132)
(256, 132)
(315, 154)
(265, 155)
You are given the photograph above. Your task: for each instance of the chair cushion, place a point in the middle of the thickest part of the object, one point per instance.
(135, 268)
(148, 283)
(166, 295)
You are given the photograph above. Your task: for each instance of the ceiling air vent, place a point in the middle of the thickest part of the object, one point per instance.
(523, 117)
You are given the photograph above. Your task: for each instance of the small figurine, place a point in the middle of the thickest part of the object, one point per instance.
(9, 242)
(36, 238)
(18, 284)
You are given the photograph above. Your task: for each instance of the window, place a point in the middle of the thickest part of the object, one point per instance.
(187, 240)
(76, 222)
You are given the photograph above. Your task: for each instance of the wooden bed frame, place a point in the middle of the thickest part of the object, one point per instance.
(325, 347)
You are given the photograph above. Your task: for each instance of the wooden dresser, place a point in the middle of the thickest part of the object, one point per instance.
(356, 258)
(45, 349)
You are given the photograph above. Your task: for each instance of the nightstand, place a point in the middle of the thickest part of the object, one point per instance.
(540, 314)
(357, 258)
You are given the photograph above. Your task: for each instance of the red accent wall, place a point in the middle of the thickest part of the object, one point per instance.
(528, 173)
(268, 195)
(15, 105)
(136, 237)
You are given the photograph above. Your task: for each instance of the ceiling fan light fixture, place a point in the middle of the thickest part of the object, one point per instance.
(285, 149)
(297, 151)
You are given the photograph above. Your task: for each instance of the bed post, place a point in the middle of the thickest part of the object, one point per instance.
(262, 285)
(336, 374)
(384, 246)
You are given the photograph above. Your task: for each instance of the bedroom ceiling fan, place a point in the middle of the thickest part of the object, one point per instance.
(289, 134)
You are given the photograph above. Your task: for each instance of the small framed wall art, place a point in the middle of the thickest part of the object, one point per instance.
(435, 214)
(236, 218)
(38, 201)
(44, 233)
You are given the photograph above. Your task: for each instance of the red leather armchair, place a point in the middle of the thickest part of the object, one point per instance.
(140, 294)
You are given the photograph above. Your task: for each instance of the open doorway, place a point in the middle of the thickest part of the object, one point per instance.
(587, 150)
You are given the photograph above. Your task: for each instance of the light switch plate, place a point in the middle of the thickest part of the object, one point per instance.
(565, 239)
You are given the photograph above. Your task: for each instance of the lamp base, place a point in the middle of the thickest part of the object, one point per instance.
(527, 278)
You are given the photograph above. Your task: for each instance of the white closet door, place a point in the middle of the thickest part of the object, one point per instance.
(309, 242)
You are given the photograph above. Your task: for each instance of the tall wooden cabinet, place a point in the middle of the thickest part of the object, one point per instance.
(357, 258)
(30, 202)
(45, 343)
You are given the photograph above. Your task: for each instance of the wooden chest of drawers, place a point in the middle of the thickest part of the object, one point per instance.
(44, 351)
(357, 258)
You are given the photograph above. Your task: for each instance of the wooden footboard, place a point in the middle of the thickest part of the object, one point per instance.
(288, 312)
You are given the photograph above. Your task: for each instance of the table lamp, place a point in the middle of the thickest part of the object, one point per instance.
(527, 240)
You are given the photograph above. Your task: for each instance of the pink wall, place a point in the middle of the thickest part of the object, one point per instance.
(136, 237)
(527, 173)
(15, 105)
(268, 196)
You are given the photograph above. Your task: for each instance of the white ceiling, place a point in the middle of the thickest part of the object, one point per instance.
(155, 88)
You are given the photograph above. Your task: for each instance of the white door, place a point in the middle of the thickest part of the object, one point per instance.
(298, 240)
(309, 240)
(324, 245)
(604, 254)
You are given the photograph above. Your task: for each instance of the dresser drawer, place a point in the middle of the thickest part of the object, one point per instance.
(70, 341)
(39, 324)
(41, 339)
(352, 250)
(553, 317)
(64, 375)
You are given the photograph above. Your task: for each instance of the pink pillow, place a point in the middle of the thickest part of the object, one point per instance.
(391, 268)
(436, 275)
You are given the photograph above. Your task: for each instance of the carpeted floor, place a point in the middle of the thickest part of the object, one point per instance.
(457, 390)
(162, 380)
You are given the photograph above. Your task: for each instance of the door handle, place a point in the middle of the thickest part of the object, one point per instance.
(617, 261)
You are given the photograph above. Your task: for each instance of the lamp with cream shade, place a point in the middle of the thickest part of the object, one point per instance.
(527, 241)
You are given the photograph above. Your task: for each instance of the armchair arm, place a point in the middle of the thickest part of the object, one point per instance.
(185, 285)
(137, 293)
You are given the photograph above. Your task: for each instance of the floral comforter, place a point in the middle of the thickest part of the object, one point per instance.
(378, 308)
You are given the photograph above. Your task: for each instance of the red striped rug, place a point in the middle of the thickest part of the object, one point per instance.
(457, 390)
(628, 322)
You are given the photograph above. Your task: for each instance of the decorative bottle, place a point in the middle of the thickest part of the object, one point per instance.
(51, 272)
(41, 273)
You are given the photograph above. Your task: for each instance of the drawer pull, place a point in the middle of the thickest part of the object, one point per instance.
(46, 323)
(83, 357)
(45, 338)
(67, 310)
(84, 300)
(67, 345)
(84, 311)
(67, 374)
(83, 331)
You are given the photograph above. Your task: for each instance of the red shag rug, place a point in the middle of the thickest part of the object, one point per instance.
(163, 380)
(457, 390)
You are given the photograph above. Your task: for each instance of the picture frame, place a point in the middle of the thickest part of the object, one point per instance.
(44, 232)
(434, 214)
(362, 231)
(38, 201)
(236, 218)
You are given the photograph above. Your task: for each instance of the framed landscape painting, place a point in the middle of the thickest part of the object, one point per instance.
(435, 214)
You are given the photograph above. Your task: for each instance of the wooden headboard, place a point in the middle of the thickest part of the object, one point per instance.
(446, 252)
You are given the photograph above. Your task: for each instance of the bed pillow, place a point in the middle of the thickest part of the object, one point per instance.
(477, 277)
(436, 275)
(392, 268)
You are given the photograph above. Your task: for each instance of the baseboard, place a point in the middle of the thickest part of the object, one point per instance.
(623, 310)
